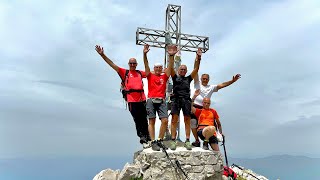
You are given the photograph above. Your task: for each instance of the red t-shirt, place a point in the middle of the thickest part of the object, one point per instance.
(133, 81)
(157, 85)
(206, 117)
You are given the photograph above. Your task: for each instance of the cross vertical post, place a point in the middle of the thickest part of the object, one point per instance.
(172, 35)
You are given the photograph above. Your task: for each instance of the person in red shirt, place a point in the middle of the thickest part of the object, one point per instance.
(134, 92)
(156, 103)
(206, 123)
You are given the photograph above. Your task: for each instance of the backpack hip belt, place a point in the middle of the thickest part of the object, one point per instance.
(133, 90)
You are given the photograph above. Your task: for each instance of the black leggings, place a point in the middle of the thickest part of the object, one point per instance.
(139, 114)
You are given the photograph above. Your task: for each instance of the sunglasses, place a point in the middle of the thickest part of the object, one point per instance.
(204, 78)
(133, 63)
(183, 69)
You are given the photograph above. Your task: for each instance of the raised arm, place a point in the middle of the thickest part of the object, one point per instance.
(171, 61)
(145, 59)
(225, 84)
(106, 59)
(219, 126)
(172, 50)
(196, 93)
(196, 64)
(196, 78)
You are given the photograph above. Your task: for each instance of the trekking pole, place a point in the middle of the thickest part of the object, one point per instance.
(224, 148)
(176, 161)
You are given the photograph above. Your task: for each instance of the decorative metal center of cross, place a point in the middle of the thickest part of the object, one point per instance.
(172, 34)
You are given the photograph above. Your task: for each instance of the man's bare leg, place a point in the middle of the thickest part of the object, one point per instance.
(214, 147)
(174, 123)
(208, 132)
(195, 134)
(187, 126)
(152, 122)
(163, 128)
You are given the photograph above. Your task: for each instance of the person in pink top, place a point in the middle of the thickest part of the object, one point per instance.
(133, 88)
(156, 103)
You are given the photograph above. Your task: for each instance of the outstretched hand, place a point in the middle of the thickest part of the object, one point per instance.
(236, 77)
(199, 53)
(172, 50)
(146, 48)
(197, 92)
(99, 49)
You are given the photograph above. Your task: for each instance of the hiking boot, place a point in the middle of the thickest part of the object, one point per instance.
(205, 145)
(155, 146)
(173, 145)
(146, 145)
(196, 144)
(187, 145)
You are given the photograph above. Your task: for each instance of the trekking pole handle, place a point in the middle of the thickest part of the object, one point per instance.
(223, 139)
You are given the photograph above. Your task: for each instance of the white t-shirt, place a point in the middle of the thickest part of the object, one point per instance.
(205, 91)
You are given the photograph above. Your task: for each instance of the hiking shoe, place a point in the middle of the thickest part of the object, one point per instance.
(196, 144)
(146, 145)
(205, 145)
(173, 145)
(155, 146)
(187, 145)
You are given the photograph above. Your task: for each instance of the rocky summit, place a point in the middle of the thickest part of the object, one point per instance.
(179, 164)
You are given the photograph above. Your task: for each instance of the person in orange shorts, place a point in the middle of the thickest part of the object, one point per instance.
(206, 123)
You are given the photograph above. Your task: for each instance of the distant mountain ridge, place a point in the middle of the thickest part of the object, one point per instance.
(283, 167)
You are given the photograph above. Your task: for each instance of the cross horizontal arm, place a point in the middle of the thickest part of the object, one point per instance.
(156, 38)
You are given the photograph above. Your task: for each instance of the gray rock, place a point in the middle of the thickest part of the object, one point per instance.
(107, 174)
(130, 171)
(197, 164)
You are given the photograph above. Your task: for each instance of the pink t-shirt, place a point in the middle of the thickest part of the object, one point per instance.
(157, 85)
(133, 81)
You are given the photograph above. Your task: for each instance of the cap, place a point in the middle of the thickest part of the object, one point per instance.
(157, 64)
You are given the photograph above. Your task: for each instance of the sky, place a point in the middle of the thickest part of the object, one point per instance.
(58, 98)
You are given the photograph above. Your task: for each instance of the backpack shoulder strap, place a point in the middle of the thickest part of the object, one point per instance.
(139, 73)
(125, 76)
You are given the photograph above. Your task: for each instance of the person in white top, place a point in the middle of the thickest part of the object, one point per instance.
(206, 91)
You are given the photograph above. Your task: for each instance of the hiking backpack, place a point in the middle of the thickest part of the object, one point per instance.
(124, 80)
(228, 172)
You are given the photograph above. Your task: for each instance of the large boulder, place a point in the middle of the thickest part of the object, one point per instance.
(107, 174)
(149, 165)
(195, 164)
